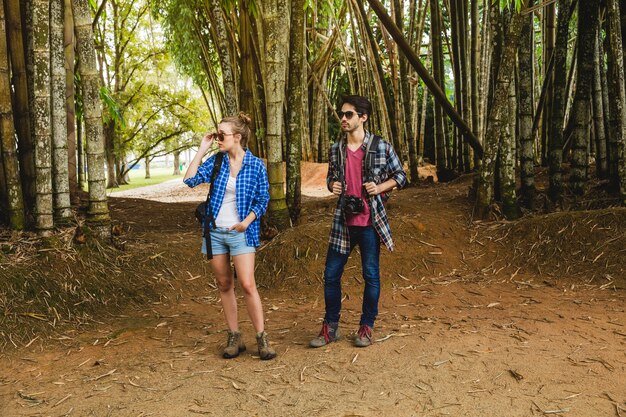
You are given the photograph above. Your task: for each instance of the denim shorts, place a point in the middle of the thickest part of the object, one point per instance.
(225, 241)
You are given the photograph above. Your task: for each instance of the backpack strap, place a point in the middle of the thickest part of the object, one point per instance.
(217, 166)
(209, 220)
(341, 166)
(370, 158)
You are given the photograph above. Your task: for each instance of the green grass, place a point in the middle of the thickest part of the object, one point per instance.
(137, 178)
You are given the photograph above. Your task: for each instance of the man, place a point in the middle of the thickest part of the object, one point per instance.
(360, 218)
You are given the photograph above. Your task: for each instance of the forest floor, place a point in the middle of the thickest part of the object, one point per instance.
(476, 318)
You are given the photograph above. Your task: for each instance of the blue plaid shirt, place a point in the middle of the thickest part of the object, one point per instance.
(386, 165)
(252, 190)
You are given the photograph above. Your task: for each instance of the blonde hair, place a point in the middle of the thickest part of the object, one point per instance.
(241, 125)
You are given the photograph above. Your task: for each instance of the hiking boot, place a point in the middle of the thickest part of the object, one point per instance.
(265, 350)
(234, 345)
(364, 336)
(328, 334)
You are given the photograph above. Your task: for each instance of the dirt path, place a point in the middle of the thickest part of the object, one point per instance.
(451, 340)
(446, 348)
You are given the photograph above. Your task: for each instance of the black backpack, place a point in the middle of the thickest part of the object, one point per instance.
(204, 213)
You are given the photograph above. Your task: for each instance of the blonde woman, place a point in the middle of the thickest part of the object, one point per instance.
(239, 199)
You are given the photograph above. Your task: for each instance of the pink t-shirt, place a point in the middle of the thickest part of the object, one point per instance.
(354, 186)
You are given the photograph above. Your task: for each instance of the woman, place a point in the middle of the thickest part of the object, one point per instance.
(239, 199)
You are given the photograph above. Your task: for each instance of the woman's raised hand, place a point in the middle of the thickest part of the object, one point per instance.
(207, 141)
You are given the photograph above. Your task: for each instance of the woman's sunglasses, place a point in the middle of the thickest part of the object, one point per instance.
(349, 114)
(220, 136)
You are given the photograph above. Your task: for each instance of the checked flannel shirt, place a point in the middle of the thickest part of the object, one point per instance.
(386, 165)
(252, 190)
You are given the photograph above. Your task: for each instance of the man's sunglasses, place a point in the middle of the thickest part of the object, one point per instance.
(348, 114)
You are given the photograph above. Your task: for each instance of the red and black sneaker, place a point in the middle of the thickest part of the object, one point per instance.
(328, 334)
(364, 336)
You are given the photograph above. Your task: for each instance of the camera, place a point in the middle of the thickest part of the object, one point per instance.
(353, 205)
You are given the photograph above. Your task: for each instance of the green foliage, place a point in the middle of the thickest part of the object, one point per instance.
(112, 107)
(155, 110)
(507, 4)
(186, 32)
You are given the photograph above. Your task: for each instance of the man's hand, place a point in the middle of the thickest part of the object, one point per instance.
(337, 188)
(240, 227)
(372, 188)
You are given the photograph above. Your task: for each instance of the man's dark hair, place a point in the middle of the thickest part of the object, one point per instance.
(360, 103)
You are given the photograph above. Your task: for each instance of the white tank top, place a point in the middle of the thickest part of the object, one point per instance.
(228, 216)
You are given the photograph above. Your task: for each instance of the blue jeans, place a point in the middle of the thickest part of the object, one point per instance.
(369, 243)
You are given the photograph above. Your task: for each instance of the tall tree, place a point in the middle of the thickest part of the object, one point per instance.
(228, 78)
(98, 213)
(25, 143)
(437, 60)
(7, 134)
(494, 123)
(549, 35)
(70, 100)
(60, 177)
(617, 167)
(559, 100)
(249, 91)
(295, 108)
(39, 38)
(525, 105)
(581, 109)
(275, 24)
(599, 128)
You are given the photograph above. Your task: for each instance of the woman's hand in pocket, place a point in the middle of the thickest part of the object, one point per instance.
(239, 227)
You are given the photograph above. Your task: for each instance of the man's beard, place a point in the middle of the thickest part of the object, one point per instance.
(349, 129)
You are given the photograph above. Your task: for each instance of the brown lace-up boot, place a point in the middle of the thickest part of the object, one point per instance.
(234, 345)
(265, 350)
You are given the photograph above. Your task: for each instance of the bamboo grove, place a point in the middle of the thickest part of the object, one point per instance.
(496, 88)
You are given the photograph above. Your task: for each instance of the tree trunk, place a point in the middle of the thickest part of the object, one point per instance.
(437, 51)
(176, 163)
(455, 57)
(40, 115)
(70, 104)
(525, 105)
(80, 153)
(548, 52)
(228, 79)
(295, 103)
(147, 162)
(109, 143)
(407, 109)
(617, 104)
(60, 178)
(10, 164)
(602, 169)
(582, 100)
(247, 98)
(462, 18)
(98, 213)
(22, 123)
(474, 69)
(559, 98)
(275, 26)
(387, 91)
(494, 125)
(4, 198)
(510, 208)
